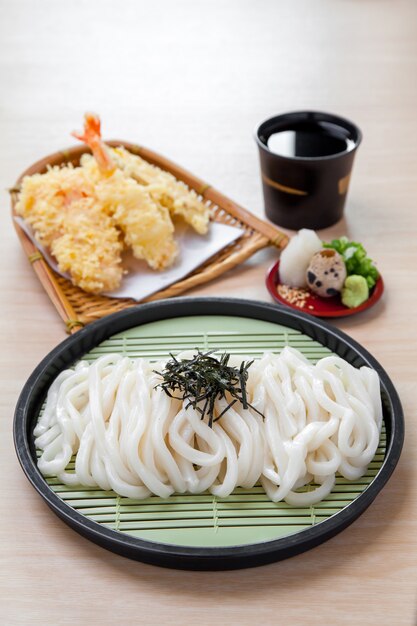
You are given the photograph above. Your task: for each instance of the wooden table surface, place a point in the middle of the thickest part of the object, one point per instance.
(191, 80)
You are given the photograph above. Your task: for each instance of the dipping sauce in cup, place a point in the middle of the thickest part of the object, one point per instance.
(306, 162)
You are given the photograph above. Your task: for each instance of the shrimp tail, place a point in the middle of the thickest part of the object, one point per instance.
(92, 137)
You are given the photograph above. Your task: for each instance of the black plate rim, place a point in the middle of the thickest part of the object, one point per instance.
(190, 557)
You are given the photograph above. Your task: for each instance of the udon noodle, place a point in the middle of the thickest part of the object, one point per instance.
(306, 423)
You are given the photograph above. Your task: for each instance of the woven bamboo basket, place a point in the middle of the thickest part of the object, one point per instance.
(78, 308)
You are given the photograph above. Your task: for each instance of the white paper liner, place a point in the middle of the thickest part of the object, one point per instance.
(141, 281)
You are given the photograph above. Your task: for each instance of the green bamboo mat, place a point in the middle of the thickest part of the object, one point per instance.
(246, 516)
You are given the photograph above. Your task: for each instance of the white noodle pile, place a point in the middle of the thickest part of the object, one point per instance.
(129, 436)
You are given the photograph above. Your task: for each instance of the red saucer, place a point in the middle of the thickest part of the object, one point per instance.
(321, 307)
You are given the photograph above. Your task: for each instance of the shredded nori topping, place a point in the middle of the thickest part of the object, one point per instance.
(203, 379)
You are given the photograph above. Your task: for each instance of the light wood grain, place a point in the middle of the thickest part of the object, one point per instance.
(190, 80)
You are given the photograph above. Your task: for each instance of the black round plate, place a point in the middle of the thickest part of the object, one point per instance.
(183, 557)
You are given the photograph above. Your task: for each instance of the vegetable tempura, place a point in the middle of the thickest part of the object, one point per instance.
(85, 215)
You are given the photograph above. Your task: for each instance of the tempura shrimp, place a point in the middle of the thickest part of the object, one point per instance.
(91, 135)
(69, 220)
(145, 224)
(164, 189)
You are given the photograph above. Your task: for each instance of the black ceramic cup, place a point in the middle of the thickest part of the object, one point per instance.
(306, 162)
